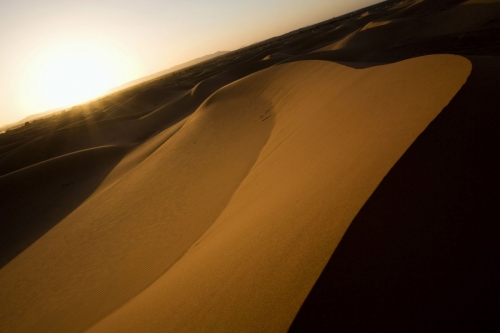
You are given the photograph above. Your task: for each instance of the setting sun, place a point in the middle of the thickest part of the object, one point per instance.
(74, 76)
(75, 72)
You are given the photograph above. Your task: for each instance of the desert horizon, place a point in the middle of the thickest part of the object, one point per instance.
(338, 177)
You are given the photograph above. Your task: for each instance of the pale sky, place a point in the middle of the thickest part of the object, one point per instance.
(45, 45)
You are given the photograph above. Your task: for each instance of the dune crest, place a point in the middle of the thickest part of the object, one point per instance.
(231, 220)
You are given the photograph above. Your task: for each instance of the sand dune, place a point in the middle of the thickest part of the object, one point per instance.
(377, 35)
(42, 194)
(421, 255)
(253, 174)
(212, 198)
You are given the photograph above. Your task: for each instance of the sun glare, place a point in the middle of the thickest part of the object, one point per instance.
(75, 76)
(74, 72)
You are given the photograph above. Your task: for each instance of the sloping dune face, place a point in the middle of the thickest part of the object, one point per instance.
(227, 225)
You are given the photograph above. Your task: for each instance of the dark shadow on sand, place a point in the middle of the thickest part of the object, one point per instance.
(35, 199)
(422, 255)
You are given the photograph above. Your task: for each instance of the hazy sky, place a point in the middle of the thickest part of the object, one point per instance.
(46, 44)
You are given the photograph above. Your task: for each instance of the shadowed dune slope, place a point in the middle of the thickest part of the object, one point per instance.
(422, 254)
(388, 31)
(33, 199)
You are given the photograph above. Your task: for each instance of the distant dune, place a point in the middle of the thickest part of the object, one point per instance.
(342, 177)
(167, 71)
(29, 118)
(127, 85)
